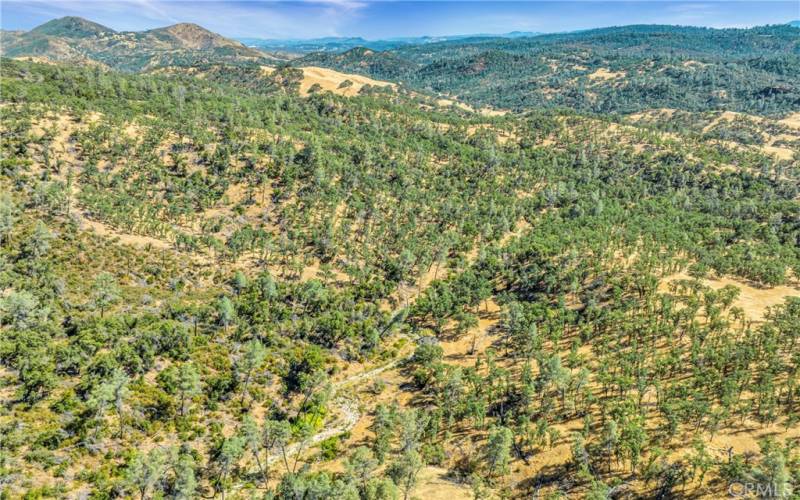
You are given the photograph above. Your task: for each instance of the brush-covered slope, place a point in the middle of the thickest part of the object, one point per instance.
(212, 286)
(193, 37)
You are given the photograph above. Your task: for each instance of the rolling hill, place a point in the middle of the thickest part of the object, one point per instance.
(71, 27)
(76, 39)
(623, 69)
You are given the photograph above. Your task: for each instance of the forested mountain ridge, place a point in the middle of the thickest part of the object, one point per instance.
(79, 40)
(71, 27)
(619, 70)
(623, 69)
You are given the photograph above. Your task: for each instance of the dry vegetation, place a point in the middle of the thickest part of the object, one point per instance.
(418, 297)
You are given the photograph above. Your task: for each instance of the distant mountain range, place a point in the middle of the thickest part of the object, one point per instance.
(78, 40)
(341, 44)
(74, 39)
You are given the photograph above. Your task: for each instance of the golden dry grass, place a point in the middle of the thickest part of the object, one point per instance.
(331, 80)
(433, 483)
(752, 300)
(444, 103)
(792, 121)
(604, 74)
(768, 147)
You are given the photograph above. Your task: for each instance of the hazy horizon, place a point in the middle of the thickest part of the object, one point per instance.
(376, 20)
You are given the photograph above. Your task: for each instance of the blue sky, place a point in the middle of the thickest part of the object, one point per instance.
(384, 19)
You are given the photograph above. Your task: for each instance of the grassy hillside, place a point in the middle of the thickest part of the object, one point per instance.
(622, 70)
(212, 285)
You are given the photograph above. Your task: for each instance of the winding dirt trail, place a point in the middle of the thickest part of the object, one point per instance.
(348, 413)
(346, 408)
